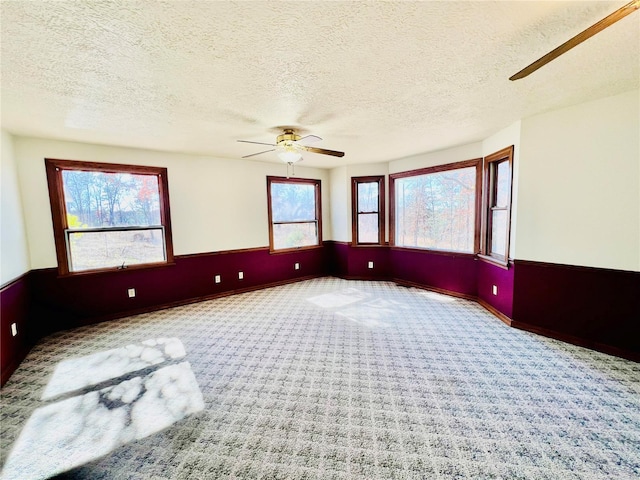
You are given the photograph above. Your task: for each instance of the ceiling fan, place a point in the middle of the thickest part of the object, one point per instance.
(289, 146)
(578, 39)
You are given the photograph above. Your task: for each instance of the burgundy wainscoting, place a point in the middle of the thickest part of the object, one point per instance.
(490, 275)
(359, 258)
(338, 257)
(450, 273)
(66, 302)
(592, 307)
(352, 262)
(14, 308)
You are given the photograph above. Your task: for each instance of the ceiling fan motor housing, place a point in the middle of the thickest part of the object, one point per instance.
(288, 136)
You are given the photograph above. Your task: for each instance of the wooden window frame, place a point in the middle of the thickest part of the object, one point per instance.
(477, 164)
(318, 210)
(54, 168)
(489, 195)
(355, 181)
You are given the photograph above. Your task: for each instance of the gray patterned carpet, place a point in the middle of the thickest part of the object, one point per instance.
(320, 379)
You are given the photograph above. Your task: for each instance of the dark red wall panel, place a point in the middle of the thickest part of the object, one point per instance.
(359, 258)
(454, 273)
(65, 302)
(14, 308)
(490, 275)
(599, 307)
(338, 254)
(350, 261)
(450, 272)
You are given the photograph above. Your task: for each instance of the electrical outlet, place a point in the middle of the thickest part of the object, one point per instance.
(14, 329)
(296, 266)
(494, 289)
(370, 264)
(217, 279)
(240, 275)
(131, 292)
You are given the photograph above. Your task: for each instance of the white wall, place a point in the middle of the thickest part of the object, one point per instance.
(504, 138)
(442, 157)
(579, 185)
(216, 204)
(340, 205)
(14, 249)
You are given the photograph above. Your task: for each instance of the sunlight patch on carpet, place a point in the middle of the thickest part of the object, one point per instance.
(69, 433)
(440, 297)
(378, 313)
(338, 299)
(76, 373)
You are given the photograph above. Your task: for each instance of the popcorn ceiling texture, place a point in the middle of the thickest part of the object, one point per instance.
(379, 80)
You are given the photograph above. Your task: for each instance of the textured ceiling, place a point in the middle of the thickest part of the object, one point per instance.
(378, 80)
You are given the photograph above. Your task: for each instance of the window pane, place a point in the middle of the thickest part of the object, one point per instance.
(498, 232)
(503, 184)
(91, 250)
(291, 235)
(368, 197)
(101, 199)
(437, 210)
(368, 228)
(293, 202)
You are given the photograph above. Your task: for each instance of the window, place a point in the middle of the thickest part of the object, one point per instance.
(367, 199)
(497, 204)
(294, 213)
(437, 208)
(108, 216)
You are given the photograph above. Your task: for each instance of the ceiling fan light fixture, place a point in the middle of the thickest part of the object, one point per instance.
(288, 151)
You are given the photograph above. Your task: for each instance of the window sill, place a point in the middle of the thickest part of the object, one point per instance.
(100, 271)
(449, 253)
(369, 245)
(294, 250)
(494, 261)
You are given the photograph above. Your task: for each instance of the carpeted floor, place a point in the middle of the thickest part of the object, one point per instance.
(320, 379)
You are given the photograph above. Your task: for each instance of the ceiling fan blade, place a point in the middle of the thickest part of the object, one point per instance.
(322, 151)
(578, 39)
(259, 153)
(258, 143)
(309, 139)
